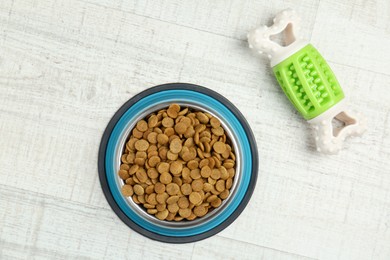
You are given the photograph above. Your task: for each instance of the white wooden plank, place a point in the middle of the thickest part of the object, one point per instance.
(224, 249)
(36, 226)
(233, 18)
(355, 33)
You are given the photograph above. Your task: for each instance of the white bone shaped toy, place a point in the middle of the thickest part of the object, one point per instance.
(308, 82)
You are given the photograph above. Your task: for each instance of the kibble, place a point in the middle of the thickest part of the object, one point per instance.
(178, 164)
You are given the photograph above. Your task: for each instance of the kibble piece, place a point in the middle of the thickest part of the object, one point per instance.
(146, 133)
(139, 161)
(192, 164)
(169, 131)
(171, 216)
(185, 212)
(224, 173)
(228, 164)
(172, 189)
(229, 183)
(186, 189)
(125, 167)
(231, 154)
(226, 153)
(123, 174)
(130, 181)
(149, 189)
(152, 121)
(176, 168)
(154, 160)
(181, 128)
(152, 173)
(186, 173)
(138, 189)
(231, 172)
(187, 121)
(152, 137)
(175, 145)
(205, 171)
(130, 157)
(133, 169)
(195, 174)
(183, 202)
(211, 198)
(163, 167)
(190, 132)
(165, 178)
(148, 206)
(172, 199)
(211, 162)
(152, 149)
(217, 161)
(135, 199)
(218, 131)
(161, 207)
(141, 155)
(216, 203)
(162, 152)
(211, 180)
(202, 118)
(214, 122)
(141, 176)
(188, 143)
(173, 208)
(200, 211)
(130, 144)
(207, 187)
(177, 180)
(197, 185)
(200, 128)
(203, 163)
(183, 112)
(219, 147)
(162, 139)
(168, 122)
(142, 126)
(137, 134)
(220, 185)
(172, 156)
(141, 145)
(215, 174)
(162, 197)
(192, 217)
(173, 110)
(127, 190)
(159, 187)
(152, 211)
(195, 198)
(161, 215)
(224, 194)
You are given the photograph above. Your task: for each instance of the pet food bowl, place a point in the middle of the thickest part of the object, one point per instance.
(152, 100)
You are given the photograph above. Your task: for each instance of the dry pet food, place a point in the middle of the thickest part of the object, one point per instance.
(178, 164)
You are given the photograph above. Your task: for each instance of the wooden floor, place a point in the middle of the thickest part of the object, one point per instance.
(67, 65)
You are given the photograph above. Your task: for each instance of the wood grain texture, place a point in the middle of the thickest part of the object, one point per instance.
(67, 65)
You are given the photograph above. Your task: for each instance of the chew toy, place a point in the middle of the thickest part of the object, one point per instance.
(308, 82)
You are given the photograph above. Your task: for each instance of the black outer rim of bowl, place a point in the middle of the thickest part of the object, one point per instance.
(102, 172)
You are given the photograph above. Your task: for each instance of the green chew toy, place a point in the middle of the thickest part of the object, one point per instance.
(308, 82)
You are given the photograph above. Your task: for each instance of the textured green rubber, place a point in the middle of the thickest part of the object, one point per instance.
(308, 82)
